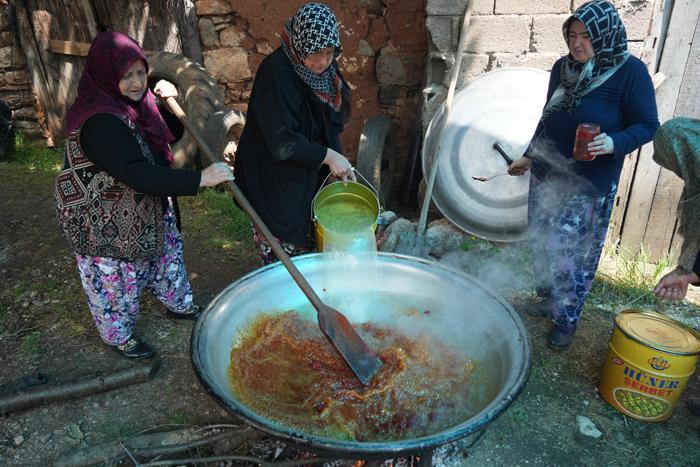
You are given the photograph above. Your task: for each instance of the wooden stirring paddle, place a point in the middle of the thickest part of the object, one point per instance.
(334, 325)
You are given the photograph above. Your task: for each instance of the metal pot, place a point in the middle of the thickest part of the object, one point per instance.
(379, 289)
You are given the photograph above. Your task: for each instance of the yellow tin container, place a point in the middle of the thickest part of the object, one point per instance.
(347, 213)
(650, 358)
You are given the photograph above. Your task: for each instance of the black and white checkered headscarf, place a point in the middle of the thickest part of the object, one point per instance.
(609, 41)
(313, 28)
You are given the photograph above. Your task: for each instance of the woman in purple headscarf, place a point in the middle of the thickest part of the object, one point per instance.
(115, 194)
(570, 200)
(297, 109)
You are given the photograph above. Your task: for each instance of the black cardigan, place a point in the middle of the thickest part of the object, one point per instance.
(282, 147)
(109, 144)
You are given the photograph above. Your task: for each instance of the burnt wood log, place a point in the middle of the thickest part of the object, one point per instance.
(61, 391)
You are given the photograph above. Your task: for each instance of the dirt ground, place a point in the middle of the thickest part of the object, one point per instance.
(45, 326)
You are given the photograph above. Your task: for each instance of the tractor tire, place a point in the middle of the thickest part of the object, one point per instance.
(376, 155)
(198, 94)
(223, 129)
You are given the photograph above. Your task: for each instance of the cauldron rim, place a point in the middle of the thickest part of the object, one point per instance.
(367, 448)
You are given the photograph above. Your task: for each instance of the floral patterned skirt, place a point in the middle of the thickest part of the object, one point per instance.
(567, 235)
(113, 285)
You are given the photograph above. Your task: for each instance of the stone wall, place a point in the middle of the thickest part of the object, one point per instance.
(507, 33)
(383, 59)
(15, 82)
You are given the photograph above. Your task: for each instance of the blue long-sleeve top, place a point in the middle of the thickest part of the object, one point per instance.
(625, 108)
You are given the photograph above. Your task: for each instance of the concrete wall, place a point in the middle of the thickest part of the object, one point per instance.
(15, 82)
(508, 33)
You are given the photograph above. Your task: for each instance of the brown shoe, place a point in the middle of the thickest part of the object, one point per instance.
(133, 348)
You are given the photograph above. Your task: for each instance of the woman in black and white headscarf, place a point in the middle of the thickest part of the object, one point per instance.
(571, 200)
(297, 109)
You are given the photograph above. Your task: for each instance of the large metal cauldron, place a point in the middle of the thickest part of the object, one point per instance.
(381, 289)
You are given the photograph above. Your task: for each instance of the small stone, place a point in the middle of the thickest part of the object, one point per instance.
(587, 428)
(19, 439)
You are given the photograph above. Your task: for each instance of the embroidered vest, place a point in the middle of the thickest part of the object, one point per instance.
(101, 216)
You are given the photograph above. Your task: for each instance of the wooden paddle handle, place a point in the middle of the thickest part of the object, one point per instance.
(249, 210)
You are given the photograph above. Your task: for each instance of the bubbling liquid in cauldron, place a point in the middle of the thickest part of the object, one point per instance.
(284, 369)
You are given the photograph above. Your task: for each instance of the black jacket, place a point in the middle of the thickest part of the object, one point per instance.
(283, 143)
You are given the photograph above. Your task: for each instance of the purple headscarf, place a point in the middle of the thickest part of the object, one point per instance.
(110, 56)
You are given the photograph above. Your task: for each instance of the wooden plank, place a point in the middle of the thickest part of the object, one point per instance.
(662, 215)
(637, 228)
(79, 49)
(40, 82)
(151, 23)
(189, 31)
(650, 54)
(689, 94)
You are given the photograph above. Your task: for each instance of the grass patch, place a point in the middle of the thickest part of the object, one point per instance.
(34, 156)
(214, 212)
(182, 418)
(625, 279)
(31, 345)
(114, 427)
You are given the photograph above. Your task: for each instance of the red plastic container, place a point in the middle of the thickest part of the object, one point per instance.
(584, 135)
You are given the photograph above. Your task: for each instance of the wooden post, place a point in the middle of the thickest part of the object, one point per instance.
(40, 83)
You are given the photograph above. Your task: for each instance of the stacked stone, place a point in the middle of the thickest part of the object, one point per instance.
(15, 82)
(383, 58)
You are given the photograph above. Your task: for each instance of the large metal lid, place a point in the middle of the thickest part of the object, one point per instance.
(500, 106)
(659, 332)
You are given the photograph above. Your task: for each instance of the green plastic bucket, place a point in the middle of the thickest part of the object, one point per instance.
(345, 212)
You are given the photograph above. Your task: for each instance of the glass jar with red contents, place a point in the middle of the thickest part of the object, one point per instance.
(584, 135)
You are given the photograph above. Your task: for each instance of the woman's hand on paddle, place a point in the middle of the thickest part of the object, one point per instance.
(216, 173)
(339, 165)
(601, 144)
(165, 89)
(674, 285)
(519, 166)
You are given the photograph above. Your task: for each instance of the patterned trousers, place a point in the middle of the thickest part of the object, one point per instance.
(567, 234)
(113, 286)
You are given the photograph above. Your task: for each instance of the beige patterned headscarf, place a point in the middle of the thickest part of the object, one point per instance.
(677, 148)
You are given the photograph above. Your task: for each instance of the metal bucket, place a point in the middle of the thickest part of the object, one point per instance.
(650, 358)
(339, 193)
(464, 312)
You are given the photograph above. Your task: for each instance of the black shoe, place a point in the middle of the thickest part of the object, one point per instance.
(694, 406)
(133, 348)
(191, 314)
(559, 339)
(540, 309)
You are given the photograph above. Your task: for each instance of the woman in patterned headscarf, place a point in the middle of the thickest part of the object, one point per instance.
(297, 109)
(570, 201)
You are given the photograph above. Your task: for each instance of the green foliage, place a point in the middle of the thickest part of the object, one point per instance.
(35, 156)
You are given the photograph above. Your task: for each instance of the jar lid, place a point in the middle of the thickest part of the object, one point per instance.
(659, 332)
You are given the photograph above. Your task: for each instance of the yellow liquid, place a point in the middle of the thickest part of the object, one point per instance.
(343, 217)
